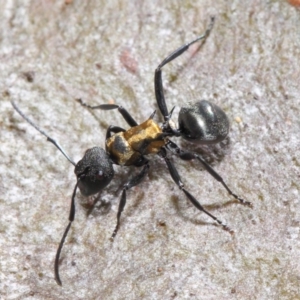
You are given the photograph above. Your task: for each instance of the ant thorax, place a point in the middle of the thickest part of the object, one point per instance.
(127, 147)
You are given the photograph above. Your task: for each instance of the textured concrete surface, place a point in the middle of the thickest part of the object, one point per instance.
(52, 53)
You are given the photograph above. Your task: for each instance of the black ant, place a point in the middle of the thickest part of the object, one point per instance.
(201, 122)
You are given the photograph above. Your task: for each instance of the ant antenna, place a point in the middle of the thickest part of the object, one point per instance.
(49, 139)
(72, 208)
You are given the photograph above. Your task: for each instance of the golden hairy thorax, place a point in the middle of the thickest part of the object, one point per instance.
(127, 147)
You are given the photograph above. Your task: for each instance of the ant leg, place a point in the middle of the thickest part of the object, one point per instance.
(71, 219)
(158, 86)
(114, 129)
(131, 183)
(125, 114)
(185, 155)
(175, 176)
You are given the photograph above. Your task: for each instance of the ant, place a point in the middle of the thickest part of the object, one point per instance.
(201, 122)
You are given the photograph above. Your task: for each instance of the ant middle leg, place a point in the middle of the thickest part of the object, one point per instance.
(131, 183)
(186, 155)
(125, 114)
(158, 86)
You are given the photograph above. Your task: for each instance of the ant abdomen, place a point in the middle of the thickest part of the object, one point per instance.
(203, 122)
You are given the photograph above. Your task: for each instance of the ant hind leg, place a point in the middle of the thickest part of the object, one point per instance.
(176, 178)
(185, 155)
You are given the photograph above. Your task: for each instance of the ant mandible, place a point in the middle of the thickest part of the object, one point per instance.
(201, 122)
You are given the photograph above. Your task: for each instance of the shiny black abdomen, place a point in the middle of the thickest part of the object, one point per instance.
(203, 122)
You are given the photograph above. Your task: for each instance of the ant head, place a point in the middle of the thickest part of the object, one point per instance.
(94, 170)
(203, 123)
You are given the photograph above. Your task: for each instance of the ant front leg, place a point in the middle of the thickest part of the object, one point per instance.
(158, 86)
(125, 114)
(185, 155)
(71, 219)
(131, 183)
(114, 129)
(175, 176)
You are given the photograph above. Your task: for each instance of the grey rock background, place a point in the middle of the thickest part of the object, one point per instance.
(52, 53)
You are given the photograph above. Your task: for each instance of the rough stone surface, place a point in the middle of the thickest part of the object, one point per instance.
(52, 53)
